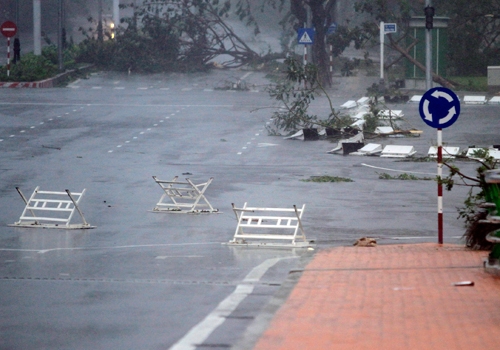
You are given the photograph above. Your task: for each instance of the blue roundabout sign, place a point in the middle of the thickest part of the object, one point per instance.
(439, 107)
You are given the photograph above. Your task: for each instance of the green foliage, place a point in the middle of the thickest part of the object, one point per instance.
(473, 35)
(30, 68)
(345, 35)
(472, 30)
(372, 121)
(472, 83)
(327, 178)
(471, 213)
(295, 92)
(404, 176)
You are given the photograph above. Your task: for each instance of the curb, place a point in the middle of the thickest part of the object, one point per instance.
(46, 83)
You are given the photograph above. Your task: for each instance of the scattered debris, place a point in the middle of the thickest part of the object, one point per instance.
(349, 104)
(358, 138)
(51, 147)
(327, 178)
(464, 284)
(366, 242)
(448, 152)
(403, 176)
(393, 151)
(415, 99)
(369, 149)
(390, 114)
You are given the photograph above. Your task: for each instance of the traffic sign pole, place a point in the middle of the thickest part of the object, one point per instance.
(382, 51)
(8, 29)
(8, 56)
(439, 108)
(440, 185)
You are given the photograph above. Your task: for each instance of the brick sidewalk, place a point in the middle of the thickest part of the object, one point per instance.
(390, 297)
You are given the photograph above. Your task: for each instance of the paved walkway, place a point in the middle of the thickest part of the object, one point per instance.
(390, 297)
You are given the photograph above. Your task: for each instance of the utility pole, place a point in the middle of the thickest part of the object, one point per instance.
(37, 28)
(16, 12)
(60, 29)
(116, 15)
(429, 14)
(100, 34)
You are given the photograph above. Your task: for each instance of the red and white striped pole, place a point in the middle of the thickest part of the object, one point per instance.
(440, 185)
(8, 56)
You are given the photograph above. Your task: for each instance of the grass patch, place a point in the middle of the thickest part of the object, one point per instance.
(327, 178)
(471, 83)
(404, 176)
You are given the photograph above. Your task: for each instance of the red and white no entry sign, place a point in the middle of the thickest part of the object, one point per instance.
(8, 29)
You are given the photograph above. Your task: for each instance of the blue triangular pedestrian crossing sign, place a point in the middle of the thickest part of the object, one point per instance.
(306, 36)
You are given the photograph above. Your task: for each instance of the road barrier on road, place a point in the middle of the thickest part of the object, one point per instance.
(269, 227)
(56, 212)
(186, 197)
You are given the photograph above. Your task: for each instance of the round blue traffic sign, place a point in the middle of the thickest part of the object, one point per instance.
(439, 107)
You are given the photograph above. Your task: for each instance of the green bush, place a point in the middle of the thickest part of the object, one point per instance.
(30, 68)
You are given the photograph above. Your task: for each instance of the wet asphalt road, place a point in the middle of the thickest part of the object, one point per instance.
(157, 281)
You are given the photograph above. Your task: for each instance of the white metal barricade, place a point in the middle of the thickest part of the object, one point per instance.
(186, 197)
(48, 209)
(269, 227)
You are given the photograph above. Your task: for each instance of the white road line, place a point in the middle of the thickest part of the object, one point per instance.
(163, 257)
(111, 105)
(246, 75)
(399, 171)
(199, 333)
(135, 246)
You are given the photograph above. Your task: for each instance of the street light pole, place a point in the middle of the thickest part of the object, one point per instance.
(100, 34)
(37, 28)
(428, 52)
(60, 36)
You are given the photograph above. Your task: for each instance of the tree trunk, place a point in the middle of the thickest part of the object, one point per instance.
(436, 78)
(320, 55)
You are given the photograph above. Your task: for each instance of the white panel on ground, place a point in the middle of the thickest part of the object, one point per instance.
(474, 100)
(395, 151)
(363, 101)
(273, 227)
(359, 124)
(384, 130)
(367, 150)
(415, 99)
(357, 138)
(495, 153)
(494, 100)
(389, 113)
(349, 104)
(360, 115)
(299, 135)
(492, 152)
(448, 152)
